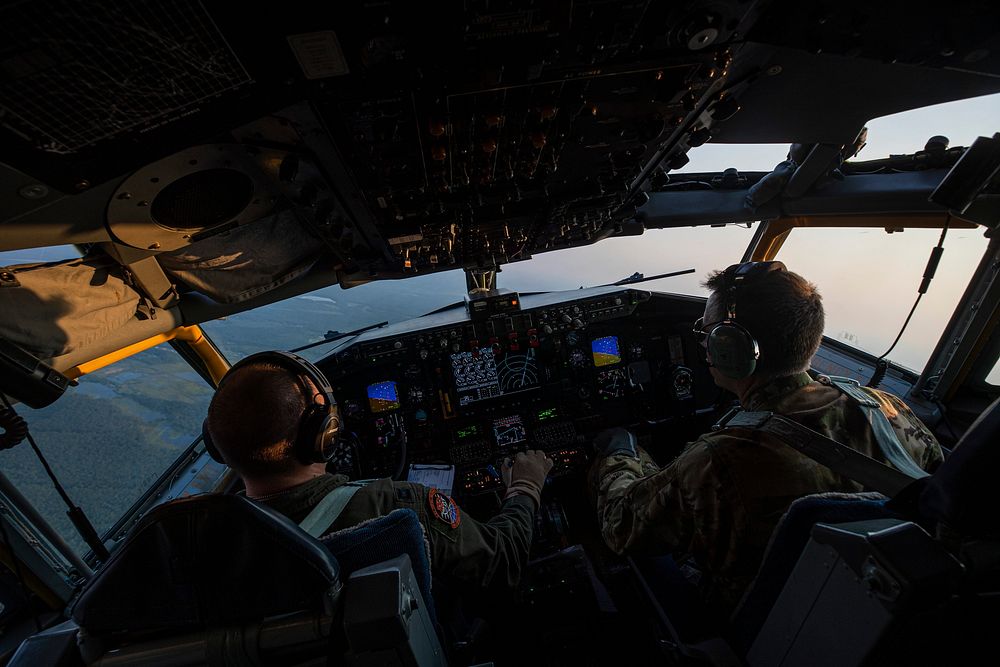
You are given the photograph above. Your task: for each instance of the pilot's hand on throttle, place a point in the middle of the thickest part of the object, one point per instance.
(526, 474)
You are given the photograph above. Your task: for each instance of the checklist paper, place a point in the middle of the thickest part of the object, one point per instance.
(440, 477)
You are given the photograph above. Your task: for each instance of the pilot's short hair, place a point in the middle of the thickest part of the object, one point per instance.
(783, 311)
(253, 419)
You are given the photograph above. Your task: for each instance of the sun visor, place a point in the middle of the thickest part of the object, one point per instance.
(52, 309)
(246, 261)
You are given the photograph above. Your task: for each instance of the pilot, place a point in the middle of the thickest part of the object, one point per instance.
(716, 505)
(273, 420)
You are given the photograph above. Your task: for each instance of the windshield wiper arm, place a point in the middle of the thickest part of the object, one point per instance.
(639, 278)
(331, 336)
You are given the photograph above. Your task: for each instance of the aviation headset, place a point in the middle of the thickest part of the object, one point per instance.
(732, 348)
(320, 422)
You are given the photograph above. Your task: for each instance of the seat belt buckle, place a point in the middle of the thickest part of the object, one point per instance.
(838, 379)
(726, 418)
(852, 388)
(740, 418)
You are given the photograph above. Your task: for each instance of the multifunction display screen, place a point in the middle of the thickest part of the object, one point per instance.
(509, 431)
(606, 351)
(382, 397)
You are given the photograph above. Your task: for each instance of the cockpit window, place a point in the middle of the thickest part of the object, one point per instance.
(307, 318)
(109, 438)
(703, 249)
(745, 157)
(38, 255)
(960, 121)
(869, 280)
(993, 377)
(897, 134)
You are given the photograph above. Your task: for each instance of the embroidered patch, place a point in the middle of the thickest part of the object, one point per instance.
(444, 508)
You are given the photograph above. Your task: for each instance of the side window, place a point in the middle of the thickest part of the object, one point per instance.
(993, 377)
(869, 279)
(109, 438)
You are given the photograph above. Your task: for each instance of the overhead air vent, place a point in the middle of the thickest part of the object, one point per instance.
(202, 200)
(195, 193)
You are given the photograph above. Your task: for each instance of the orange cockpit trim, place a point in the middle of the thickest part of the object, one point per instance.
(192, 335)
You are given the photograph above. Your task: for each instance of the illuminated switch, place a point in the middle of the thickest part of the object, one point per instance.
(533, 338)
(514, 344)
(436, 128)
(439, 153)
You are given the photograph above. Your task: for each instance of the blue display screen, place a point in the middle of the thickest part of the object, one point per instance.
(382, 396)
(606, 351)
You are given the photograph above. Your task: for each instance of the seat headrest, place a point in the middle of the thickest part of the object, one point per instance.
(960, 493)
(204, 561)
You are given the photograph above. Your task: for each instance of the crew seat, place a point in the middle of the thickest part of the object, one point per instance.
(863, 580)
(219, 579)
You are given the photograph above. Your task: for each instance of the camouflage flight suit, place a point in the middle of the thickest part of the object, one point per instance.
(720, 500)
(483, 553)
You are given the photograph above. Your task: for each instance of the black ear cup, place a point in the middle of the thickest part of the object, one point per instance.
(317, 434)
(320, 424)
(733, 350)
(206, 438)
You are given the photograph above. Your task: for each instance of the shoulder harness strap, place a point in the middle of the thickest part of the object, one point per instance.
(885, 435)
(843, 460)
(330, 508)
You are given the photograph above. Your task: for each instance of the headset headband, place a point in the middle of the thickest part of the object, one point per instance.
(737, 274)
(300, 367)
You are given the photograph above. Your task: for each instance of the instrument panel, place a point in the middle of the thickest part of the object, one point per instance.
(445, 389)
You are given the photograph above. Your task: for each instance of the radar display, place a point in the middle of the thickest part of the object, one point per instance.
(517, 372)
(488, 375)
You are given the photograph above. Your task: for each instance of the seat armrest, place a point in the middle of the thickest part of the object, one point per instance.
(384, 612)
